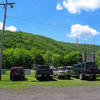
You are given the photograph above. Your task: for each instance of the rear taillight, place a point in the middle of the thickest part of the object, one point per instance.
(59, 68)
(22, 73)
(85, 71)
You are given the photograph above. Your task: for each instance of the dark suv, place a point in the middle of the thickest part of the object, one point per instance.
(17, 73)
(43, 71)
(85, 69)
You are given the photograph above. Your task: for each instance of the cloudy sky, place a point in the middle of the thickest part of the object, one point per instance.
(62, 20)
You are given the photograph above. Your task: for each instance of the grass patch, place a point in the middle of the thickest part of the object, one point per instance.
(31, 81)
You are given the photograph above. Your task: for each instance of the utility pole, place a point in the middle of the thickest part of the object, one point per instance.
(94, 55)
(65, 62)
(77, 48)
(51, 60)
(3, 31)
(85, 58)
(85, 53)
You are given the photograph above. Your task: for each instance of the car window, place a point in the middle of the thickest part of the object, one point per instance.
(63, 68)
(90, 65)
(76, 66)
(43, 67)
(17, 70)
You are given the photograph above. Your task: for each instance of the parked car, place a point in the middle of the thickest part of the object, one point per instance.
(17, 73)
(43, 71)
(54, 69)
(85, 69)
(64, 72)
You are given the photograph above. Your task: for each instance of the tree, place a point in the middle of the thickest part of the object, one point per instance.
(98, 58)
(39, 59)
(17, 57)
(72, 58)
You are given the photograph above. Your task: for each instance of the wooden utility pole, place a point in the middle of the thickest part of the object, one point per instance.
(3, 31)
(94, 55)
(77, 48)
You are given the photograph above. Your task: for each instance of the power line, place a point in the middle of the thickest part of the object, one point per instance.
(37, 22)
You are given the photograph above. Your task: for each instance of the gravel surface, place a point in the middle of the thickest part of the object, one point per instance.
(52, 93)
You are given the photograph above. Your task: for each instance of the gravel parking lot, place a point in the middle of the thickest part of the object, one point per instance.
(52, 93)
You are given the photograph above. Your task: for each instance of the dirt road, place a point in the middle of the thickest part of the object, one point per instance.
(52, 93)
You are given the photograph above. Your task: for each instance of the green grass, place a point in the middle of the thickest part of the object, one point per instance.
(5, 83)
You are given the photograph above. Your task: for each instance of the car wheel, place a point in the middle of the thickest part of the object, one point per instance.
(37, 78)
(94, 77)
(10, 78)
(22, 78)
(68, 77)
(81, 76)
(50, 78)
(59, 77)
(13, 79)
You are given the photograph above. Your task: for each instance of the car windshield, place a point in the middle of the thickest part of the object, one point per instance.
(91, 65)
(43, 67)
(63, 68)
(17, 70)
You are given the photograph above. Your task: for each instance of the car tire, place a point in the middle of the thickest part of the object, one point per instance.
(59, 77)
(94, 77)
(10, 78)
(23, 78)
(51, 78)
(37, 78)
(13, 79)
(81, 76)
(68, 77)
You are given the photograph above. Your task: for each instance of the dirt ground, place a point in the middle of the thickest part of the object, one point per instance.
(52, 93)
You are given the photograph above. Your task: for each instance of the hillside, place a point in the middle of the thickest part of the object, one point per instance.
(31, 41)
(25, 49)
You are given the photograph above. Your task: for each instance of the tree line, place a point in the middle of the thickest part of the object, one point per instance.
(25, 49)
(25, 58)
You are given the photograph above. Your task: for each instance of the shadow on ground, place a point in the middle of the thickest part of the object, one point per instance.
(88, 79)
(66, 79)
(43, 79)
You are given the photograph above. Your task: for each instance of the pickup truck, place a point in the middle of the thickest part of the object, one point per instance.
(85, 69)
(43, 72)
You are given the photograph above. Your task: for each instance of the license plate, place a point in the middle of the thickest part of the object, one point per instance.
(17, 73)
(45, 75)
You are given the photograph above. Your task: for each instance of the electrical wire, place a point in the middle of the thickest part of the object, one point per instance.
(36, 22)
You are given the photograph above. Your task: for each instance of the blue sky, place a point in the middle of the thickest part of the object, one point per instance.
(34, 16)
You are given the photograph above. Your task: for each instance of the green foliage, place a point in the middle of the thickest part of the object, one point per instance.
(72, 58)
(98, 58)
(39, 59)
(17, 57)
(31, 81)
(24, 49)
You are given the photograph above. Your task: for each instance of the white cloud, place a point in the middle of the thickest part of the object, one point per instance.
(9, 28)
(59, 7)
(76, 6)
(35, 33)
(85, 31)
(1, 25)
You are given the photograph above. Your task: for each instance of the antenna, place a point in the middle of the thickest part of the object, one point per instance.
(94, 51)
(85, 60)
(77, 48)
(51, 60)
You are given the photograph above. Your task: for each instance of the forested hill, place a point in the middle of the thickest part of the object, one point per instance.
(25, 49)
(37, 42)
